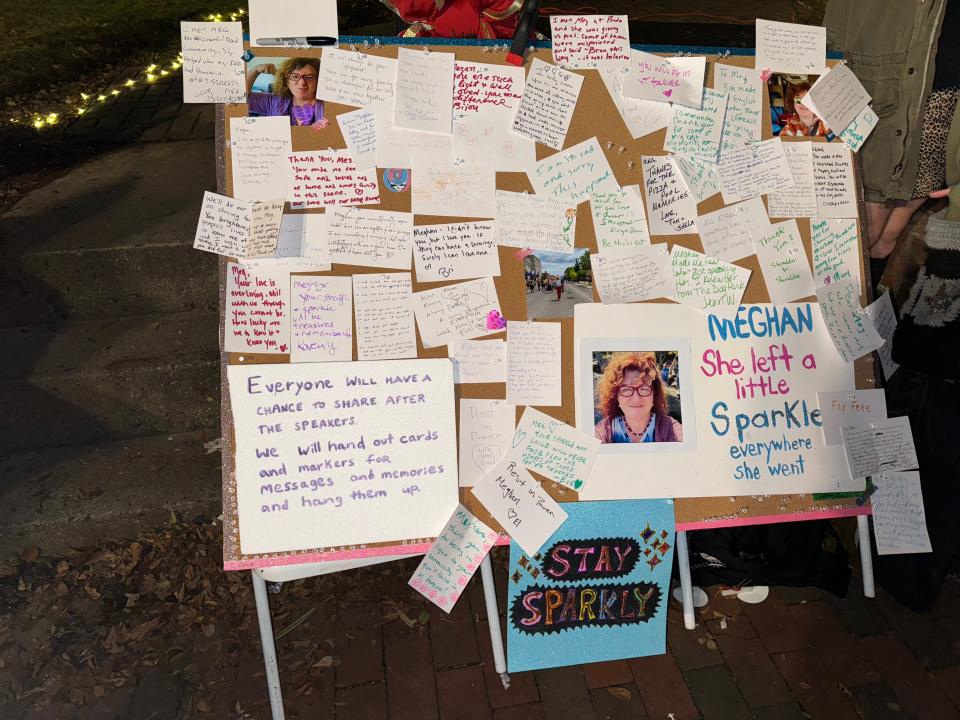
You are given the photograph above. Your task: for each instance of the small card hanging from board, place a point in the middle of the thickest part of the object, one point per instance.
(899, 520)
(837, 97)
(329, 178)
(790, 48)
(238, 228)
(754, 169)
(843, 408)
(642, 274)
(520, 504)
(359, 129)
(575, 174)
(675, 79)
(553, 449)
(486, 431)
(725, 233)
(534, 364)
(526, 220)
(424, 98)
(850, 327)
(256, 310)
(301, 245)
(259, 148)
(590, 41)
(854, 134)
(213, 70)
(879, 447)
(384, 313)
(671, 209)
(800, 200)
(641, 117)
(619, 221)
(478, 361)
(463, 311)
(453, 558)
(700, 177)
(321, 324)
(695, 132)
(706, 283)
(884, 318)
(836, 250)
(457, 251)
(373, 238)
(287, 19)
(357, 79)
(834, 181)
(546, 106)
(454, 190)
(783, 262)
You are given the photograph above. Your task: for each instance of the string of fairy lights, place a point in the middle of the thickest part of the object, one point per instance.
(148, 75)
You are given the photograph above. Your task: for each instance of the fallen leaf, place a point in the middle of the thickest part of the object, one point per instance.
(63, 567)
(203, 705)
(143, 629)
(91, 593)
(327, 661)
(30, 554)
(620, 693)
(99, 690)
(60, 589)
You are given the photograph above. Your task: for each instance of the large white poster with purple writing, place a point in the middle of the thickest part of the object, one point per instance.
(335, 454)
(735, 413)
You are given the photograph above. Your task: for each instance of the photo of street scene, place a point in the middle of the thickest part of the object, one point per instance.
(556, 281)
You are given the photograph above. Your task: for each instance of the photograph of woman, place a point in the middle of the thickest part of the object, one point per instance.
(632, 401)
(795, 119)
(293, 92)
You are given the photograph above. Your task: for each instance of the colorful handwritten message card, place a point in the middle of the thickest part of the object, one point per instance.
(671, 209)
(424, 98)
(519, 503)
(454, 190)
(547, 104)
(385, 319)
(752, 170)
(790, 48)
(700, 177)
(744, 89)
(899, 520)
(213, 62)
(619, 221)
(675, 79)
(859, 129)
(783, 262)
(452, 559)
(259, 147)
(575, 174)
(334, 454)
(375, 238)
(329, 177)
(321, 324)
(725, 233)
(644, 273)
(533, 363)
(486, 430)
(357, 79)
(707, 283)
(457, 312)
(238, 228)
(641, 117)
(478, 361)
(884, 318)
(456, 251)
(598, 590)
(590, 41)
(850, 328)
(836, 251)
(553, 449)
(526, 220)
(257, 310)
(850, 408)
(481, 88)
(695, 132)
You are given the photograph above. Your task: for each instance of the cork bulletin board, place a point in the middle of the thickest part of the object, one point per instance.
(595, 116)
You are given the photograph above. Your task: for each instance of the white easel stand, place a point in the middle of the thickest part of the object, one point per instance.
(297, 572)
(686, 587)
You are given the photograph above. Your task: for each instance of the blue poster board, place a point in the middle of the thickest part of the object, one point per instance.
(597, 590)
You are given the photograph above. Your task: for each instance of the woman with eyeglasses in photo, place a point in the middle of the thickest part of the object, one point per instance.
(631, 398)
(294, 92)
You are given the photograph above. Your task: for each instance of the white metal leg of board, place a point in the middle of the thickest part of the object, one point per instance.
(866, 558)
(269, 649)
(493, 621)
(686, 587)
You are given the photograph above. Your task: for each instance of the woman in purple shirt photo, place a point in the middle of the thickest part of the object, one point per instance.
(294, 92)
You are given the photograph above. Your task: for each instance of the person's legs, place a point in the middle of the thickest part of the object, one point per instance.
(877, 215)
(896, 222)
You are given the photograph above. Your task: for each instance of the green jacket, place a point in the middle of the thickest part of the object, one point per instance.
(890, 45)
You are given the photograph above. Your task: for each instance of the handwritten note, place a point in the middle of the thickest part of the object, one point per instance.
(884, 318)
(850, 328)
(879, 447)
(212, 62)
(670, 207)
(619, 221)
(644, 273)
(238, 228)
(486, 430)
(790, 48)
(744, 88)
(753, 170)
(518, 502)
(845, 408)
(455, 252)
(554, 449)
(357, 79)
(547, 104)
(329, 177)
(533, 363)
(424, 91)
(707, 283)
(675, 79)
(257, 310)
(398, 148)
(385, 321)
(725, 233)
(457, 312)
(590, 41)
(641, 117)
(801, 199)
(696, 132)
(454, 190)
(452, 559)
(859, 129)
(321, 322)
(259, 148)
(359, 129)
(478, 361)
(783, 262)
(834, 181)
(700, 177)
(375, 238)
(479, 87)
(836, 251)
(526, 220)
(899, 520)
(575, 174)
(837, 97)
(293, 252)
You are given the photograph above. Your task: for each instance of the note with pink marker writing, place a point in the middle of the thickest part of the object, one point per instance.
(677, 79)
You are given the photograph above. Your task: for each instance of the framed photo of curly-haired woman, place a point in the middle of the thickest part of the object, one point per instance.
(636, 394)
